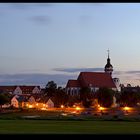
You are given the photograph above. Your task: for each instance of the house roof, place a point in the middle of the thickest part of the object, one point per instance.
(96, 79)
(23, 97)
(12, 88)
(73, 83)
(8, 88)
(30, 88)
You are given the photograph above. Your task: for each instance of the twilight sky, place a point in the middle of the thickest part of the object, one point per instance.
(55, 41)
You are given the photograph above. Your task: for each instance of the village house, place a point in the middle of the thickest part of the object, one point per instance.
(20, 89)
(31, 101)
(20, 101)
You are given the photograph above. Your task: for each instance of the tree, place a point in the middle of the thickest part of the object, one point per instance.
(85, 96)
(3, 99)
(105, 96)
(129, 98)
(61, 97)
(72, 99)
(51, 88)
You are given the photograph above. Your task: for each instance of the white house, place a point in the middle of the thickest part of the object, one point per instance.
(50, 103)
(36, 89)
(14, 102)
(17, 90)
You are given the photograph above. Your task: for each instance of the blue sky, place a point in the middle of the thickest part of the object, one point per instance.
(55, 41)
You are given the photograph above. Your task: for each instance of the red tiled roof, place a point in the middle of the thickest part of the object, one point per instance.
(30, 88)
(23, 88)
(73, 83)
(8, 88)
(96, 79)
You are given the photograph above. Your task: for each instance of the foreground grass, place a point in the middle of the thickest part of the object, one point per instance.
(68, 127)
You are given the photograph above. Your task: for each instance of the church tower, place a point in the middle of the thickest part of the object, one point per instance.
(108, 67)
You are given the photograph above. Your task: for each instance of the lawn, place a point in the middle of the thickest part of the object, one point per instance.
(68, 127)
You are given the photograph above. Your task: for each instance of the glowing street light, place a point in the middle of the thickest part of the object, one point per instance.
(126, 108)
(78, 108)
(101, 108)
(74, 105)
(30, 106)
(62, 106)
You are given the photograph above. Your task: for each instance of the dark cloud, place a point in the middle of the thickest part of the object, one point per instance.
(92, 4)
(118, 72)
(71, 70)
(20, 6)
(41, 19)
(34, 79)
(45, 4)
(26, 6)
(126, 72)
(132, 72)
(60, 79)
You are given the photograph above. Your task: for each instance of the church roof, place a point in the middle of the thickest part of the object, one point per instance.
(93, 79)
(73, 83)
(96, 79)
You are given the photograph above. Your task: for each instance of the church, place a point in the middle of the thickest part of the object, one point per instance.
(94, 80)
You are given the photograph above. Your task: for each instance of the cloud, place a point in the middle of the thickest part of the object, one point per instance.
(61, 79)
(41, 19)
(127, 72)
(118, 72)
(28, 6)
(126, 77)
(133, 72)
(92, 4)
(71, 70)
(8, 8)
(20, 6)
(34, 79)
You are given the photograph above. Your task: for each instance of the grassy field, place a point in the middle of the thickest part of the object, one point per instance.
(68, 127)
(52, 122)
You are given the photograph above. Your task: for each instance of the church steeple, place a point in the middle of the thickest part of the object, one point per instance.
(108, 66)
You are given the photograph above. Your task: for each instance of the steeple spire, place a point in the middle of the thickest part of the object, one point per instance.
(108, 66)
(108, 53)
